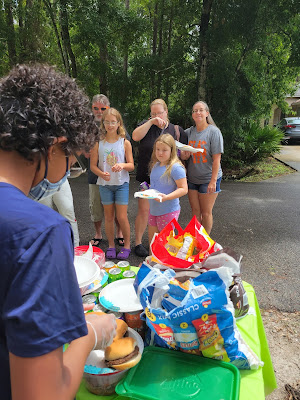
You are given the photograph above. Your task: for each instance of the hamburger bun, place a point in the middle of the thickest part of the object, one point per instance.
(129, 364)
(97, 312)
(122, 328)
(122, 354)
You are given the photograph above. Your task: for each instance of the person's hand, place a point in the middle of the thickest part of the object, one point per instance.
(161, 123)
(117, 167)
(88, 307)
(211, 188)
(105, 326)
(106, 176)
(162, 198)
(185, 155)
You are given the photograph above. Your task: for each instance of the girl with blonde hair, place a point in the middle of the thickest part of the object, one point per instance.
(111, 161)
(167, 176)
(146, 133)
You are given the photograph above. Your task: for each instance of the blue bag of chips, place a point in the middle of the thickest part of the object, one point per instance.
(195, 316)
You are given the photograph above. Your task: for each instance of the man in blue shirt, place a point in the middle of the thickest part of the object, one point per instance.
(44, 120)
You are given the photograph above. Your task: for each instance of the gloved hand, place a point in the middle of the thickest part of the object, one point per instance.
(105, 328)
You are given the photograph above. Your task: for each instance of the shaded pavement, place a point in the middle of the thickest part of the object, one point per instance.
(290, 155)
(260, 220)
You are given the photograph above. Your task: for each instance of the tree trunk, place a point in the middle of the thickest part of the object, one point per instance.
(203, 48)
(48, 5)
(69, 55)
(103, 83)
(169, 49)
(160, 47)
(125, 59)
(10, 33)
(154, 47)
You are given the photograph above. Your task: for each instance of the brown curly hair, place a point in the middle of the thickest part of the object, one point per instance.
(39, 104)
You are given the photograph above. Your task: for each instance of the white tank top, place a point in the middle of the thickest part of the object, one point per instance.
(110, 154)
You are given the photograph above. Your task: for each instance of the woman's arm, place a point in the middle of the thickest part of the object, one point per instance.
(129, 164)
(211, 188)
(141, 131)
(181, 190)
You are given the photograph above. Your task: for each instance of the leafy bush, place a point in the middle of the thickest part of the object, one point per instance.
(250, 144)
(260, 142)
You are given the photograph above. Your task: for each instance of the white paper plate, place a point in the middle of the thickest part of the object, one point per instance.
(86, 270)
(120, 296)
(148, 194)
(98, 282)
(186, 147)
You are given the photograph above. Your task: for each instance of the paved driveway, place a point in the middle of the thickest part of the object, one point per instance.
(259, 220)
(290, 155)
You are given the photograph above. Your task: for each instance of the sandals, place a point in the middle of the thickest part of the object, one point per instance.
(123, 254)
(111, 252)
(96, 241)
(119, 241)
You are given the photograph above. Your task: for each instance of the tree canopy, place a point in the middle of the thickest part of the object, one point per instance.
(239, 56)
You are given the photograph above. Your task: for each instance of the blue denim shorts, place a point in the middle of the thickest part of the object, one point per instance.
(114, 194)
(202, 187)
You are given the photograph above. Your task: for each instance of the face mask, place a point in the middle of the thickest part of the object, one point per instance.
(45, 188)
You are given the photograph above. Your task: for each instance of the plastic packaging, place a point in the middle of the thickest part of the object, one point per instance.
(200, 318)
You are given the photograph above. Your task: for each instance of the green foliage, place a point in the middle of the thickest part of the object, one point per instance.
(259, 143)
(137, 51)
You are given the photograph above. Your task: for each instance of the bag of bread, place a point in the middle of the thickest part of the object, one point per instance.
(195, 317)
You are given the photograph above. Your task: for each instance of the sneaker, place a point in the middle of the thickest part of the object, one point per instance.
(140, 251)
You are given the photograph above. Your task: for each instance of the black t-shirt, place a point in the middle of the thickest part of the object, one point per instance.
(146, 147)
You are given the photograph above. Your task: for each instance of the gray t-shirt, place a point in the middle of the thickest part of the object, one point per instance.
(199, 167)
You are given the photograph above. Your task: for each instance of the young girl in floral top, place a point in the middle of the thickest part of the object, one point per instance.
(111, 161)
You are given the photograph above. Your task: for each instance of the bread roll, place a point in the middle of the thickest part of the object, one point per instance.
(122, 328)
(120, 348)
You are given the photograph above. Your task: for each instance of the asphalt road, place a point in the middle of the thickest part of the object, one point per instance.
(260, 221)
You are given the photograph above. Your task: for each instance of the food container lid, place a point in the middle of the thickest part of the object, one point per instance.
(168, 374)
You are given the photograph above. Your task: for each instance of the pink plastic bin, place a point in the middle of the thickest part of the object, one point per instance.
(98, 254)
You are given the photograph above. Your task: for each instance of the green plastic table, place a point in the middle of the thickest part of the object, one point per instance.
(255, 384)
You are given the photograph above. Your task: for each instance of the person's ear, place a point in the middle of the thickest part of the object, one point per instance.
(52, 148)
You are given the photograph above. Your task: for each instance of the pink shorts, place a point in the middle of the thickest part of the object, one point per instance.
(162, 220)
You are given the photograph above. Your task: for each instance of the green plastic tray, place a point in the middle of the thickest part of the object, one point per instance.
(173, 375)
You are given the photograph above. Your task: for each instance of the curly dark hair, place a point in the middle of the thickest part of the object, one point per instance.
(39, 104)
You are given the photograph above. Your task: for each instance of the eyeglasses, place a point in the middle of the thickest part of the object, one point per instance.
(153, 115)
(112, 123)
(100, 108)
(199, 110)
(77, 171)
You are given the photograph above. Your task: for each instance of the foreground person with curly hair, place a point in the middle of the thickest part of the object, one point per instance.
(44, 120)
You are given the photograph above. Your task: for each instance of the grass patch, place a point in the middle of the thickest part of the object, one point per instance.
(258, 171)
(265, 169)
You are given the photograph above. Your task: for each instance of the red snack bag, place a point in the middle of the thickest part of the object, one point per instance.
(206, 245)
